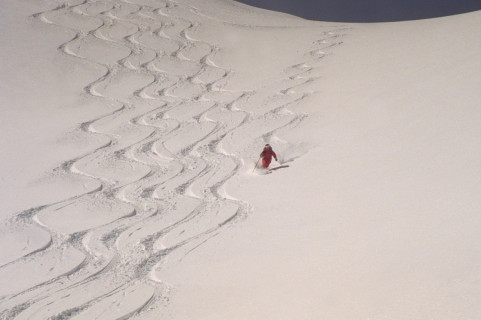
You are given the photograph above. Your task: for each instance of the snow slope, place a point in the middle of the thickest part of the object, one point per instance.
(132, 130)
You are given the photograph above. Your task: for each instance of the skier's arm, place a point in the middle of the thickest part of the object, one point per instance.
(274, 154)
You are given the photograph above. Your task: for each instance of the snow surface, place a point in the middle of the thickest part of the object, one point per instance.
(130, 130)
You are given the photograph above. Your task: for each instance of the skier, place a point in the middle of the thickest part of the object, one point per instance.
(267, 155)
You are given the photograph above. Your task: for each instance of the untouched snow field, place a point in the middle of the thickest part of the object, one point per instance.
(130, 130)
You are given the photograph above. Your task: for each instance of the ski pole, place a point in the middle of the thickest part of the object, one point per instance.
(256, 165)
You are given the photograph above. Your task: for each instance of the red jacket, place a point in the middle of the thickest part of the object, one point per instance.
(268, 153)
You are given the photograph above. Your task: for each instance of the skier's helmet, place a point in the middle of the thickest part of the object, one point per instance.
(267, 146)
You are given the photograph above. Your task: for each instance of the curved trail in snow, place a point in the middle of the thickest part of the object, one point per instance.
(157, 176)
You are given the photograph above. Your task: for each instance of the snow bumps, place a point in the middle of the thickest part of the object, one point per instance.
(182, 117)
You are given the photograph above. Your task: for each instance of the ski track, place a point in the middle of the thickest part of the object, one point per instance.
(172, 143)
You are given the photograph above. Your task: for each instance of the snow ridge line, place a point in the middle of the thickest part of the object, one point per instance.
(162, 174)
